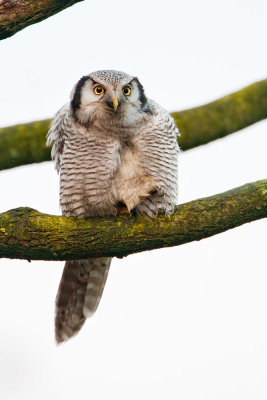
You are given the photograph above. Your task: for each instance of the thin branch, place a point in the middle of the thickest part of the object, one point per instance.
(27, 234)
(25, 143)
(18, 14)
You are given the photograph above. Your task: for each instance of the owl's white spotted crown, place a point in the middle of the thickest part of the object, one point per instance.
(111, 76)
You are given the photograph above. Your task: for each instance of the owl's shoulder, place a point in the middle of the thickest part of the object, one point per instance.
(160, 117)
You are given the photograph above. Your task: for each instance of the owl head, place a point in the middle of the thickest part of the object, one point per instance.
(108, 95)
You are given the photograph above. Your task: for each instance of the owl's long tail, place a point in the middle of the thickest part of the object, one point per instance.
(79, 293)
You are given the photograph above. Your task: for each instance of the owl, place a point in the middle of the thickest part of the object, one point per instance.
(116, 152)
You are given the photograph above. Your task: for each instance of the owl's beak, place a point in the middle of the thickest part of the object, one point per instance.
(115, 102)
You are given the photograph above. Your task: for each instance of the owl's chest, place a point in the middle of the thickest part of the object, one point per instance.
(130, 164)
(106, 158)
(92, 154)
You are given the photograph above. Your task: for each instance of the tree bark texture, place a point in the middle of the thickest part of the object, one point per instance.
(27, 234)
(25, 143)
(18, 14)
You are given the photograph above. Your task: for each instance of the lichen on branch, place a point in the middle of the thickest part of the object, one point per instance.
(25, 143)
(28, 234)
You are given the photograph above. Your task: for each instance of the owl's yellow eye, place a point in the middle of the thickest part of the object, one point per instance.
(98, 90)
(126, 90)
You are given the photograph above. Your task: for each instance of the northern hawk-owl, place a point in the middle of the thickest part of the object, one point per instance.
(116, 151)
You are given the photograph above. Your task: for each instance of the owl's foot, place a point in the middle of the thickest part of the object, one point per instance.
(122, 209)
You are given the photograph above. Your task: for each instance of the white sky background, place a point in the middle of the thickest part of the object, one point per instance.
(183, 323)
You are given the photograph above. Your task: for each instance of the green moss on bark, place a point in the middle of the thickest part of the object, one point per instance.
(27, 234)
(226, 115)
(24, 144)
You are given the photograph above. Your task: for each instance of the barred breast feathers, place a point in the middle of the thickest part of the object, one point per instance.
(159, 154)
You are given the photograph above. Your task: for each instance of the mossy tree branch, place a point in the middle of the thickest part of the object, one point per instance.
(222, 117)
(18, 14)
(27, 234)
(25, 143)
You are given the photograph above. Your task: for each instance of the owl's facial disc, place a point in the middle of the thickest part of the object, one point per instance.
(108, 94)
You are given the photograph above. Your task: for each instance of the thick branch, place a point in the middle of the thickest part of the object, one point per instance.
(226, 115)
(27, 234)
(18, 14)
(25, 144)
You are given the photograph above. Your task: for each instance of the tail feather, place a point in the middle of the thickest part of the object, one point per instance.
(79, 294)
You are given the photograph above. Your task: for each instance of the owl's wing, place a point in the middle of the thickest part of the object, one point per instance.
(159, 154)
(57, 133)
